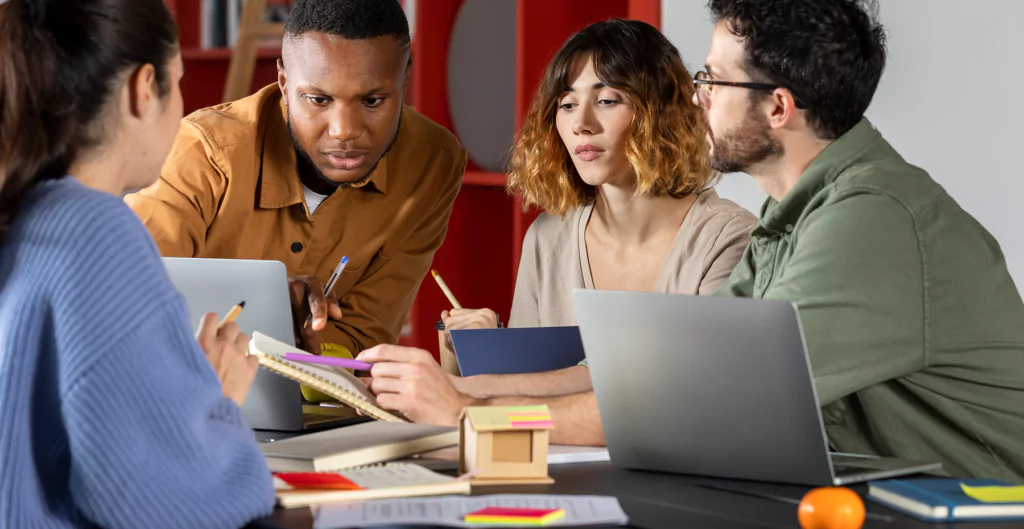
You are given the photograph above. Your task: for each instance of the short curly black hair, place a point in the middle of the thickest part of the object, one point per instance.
(829, 53)
(350, 19)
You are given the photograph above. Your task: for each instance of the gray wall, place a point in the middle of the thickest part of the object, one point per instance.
(950, 101)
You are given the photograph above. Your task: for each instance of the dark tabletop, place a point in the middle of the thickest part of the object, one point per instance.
(655, 500)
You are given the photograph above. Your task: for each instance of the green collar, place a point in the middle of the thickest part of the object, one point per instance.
(836, 158)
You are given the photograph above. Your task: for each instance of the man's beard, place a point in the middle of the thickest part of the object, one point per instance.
(305, 158)
(744, 146)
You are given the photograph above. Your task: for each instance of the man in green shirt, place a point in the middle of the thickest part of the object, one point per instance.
(913, 325)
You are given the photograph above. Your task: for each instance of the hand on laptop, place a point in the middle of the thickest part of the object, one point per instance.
(309, 301)
(226, 350)
(458, 319)
(409, 381)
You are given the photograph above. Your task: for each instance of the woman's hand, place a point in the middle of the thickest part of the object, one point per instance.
(226, 350)
(459, 319)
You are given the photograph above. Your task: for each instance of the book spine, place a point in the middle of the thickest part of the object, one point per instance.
(206, 25)
(909, 490)
(234, 9)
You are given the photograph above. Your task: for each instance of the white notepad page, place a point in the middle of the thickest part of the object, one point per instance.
(449, 510)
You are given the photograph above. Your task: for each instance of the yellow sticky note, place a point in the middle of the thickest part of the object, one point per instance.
(1007, 494)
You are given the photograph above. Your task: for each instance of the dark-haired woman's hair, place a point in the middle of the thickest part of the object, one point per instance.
(666, 145)
(60, 64)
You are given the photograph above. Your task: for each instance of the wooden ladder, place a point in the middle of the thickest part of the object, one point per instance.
(251, 29)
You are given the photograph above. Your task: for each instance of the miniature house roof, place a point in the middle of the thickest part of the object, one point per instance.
(500, 418)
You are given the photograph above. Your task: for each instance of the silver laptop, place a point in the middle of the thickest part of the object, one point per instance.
(216, 285)
(715, 387)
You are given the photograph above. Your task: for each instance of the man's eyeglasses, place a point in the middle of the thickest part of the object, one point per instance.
(704, 86)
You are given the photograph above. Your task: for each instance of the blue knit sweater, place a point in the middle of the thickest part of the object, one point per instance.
(110, 413)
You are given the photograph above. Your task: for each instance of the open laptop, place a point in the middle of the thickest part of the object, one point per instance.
(216, 285)
(715, 387)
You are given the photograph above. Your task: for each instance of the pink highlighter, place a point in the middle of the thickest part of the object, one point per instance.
(346, 363)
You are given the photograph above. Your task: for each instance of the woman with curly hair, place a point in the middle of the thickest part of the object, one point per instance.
(616, 154)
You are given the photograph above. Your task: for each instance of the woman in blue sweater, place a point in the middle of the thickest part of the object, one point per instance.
(111, 413)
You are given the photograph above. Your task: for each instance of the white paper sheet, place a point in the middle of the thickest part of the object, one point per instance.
(564, 454)
(449, 510)
(448, 458)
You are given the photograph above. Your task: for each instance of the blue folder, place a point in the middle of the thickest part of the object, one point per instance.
(516, 350)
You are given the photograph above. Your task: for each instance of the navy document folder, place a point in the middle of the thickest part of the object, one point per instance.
(516, 350)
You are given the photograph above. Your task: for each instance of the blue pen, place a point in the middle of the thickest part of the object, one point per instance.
(330, 284)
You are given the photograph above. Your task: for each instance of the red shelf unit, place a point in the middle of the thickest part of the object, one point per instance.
(480, 256)
(484, 179)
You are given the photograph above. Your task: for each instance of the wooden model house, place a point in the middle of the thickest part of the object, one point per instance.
(504, 445)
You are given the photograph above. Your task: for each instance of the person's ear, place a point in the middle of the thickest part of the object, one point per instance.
(282, 80)
(408, 75)
(781, 108)
(143, 97)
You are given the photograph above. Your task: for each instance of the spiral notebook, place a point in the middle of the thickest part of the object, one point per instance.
(334, 381)
(391, 480)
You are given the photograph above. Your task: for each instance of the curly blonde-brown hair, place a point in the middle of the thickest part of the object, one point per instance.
(666, 145)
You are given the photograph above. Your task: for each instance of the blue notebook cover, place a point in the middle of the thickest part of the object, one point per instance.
(942, 499)
(516, 350)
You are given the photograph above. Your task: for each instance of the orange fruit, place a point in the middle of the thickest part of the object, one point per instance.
(831, 508)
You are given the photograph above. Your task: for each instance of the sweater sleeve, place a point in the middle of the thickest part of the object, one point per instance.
(154, 443)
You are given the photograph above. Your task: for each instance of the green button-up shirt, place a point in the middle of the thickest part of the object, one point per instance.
(914, 328)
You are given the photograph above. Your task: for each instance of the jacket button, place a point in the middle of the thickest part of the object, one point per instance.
(296, 247)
